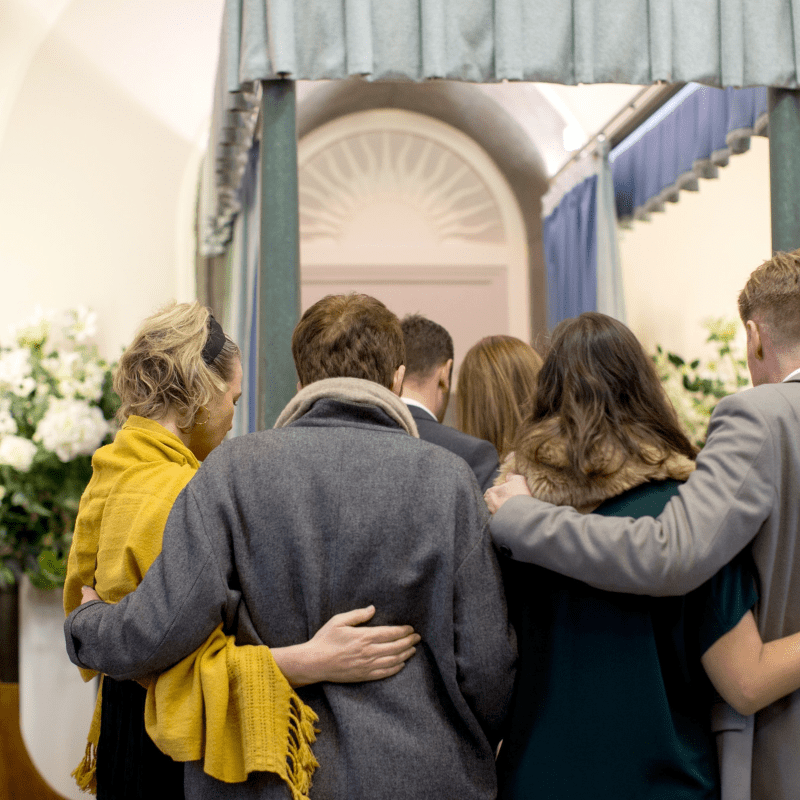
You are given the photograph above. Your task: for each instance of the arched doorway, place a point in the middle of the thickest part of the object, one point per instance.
(407, 208)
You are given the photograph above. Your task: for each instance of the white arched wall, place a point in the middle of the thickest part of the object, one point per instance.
(97, 189)
(689, 263)
(96, 207)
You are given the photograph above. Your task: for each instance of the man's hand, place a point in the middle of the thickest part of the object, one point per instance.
(88, 594)
(342, 652)
(497, 495)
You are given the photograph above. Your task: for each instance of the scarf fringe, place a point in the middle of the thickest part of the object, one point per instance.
(85, 773)
(300, 760)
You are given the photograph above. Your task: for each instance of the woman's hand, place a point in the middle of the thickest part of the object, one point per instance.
(88, 594)
(342, 652)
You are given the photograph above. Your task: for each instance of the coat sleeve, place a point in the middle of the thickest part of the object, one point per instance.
(182, 599)
(487, 465)
(485, 645)
(717, 512)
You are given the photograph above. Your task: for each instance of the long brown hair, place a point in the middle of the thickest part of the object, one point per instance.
(598, 389)
(496, 383)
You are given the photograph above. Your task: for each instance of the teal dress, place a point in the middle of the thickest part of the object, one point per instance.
(611, 699)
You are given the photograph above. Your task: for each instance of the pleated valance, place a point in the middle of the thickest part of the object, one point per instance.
(689, 138)
(729, 43)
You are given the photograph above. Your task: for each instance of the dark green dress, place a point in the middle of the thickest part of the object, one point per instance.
(611, 698)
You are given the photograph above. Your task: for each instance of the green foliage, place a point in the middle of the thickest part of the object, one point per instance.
(695, 387)
(56, 404)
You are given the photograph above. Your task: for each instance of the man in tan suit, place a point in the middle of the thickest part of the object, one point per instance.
(746, 489)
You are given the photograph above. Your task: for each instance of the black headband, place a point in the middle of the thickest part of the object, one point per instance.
(215, 341)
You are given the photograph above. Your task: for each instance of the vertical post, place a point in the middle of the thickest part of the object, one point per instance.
(279, 251)
(784, 167)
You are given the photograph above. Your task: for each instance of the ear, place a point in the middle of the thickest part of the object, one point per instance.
(445, 374)
(397, 381)
(299, 386)
(754, 343)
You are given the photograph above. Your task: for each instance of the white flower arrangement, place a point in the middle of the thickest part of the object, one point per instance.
(695, 388)
(56, 407)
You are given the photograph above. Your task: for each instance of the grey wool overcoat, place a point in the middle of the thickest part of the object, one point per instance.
(282, 529)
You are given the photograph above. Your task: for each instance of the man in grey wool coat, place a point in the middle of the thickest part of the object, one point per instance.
(340, 506)
(745, 489)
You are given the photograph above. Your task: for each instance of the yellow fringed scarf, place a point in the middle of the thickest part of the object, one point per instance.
(230, 706)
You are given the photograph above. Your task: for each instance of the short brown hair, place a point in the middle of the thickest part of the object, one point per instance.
(163, 369)
(496, 385)
(348, 336)
(773, 291)
(597, 387)
(428, 345)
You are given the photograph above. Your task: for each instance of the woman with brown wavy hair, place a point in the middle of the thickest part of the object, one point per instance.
(613, 698)
(495, 387)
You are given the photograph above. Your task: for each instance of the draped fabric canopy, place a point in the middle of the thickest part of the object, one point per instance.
(741, 43)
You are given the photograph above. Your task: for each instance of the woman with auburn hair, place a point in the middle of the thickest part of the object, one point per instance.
(178, 383)
(495, 386)
(613, 698)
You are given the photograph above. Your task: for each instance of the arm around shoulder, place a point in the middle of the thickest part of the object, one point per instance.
(717, 512)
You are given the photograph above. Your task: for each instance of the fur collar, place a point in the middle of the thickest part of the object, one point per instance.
(551, 477)
(349, 390)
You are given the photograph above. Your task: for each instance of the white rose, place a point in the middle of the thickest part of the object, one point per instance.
(91, 386)
(7, 423)
(17, 452)
(84, 324)
(15, 372)
(34, 332)
(71, 428)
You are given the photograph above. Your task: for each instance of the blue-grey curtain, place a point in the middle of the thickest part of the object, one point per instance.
(728, 43)
(570, 249)
(688, 138)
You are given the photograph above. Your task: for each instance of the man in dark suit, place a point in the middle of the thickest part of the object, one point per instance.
(426, 392)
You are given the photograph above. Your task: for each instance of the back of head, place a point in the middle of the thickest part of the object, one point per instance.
(598, 388)
(177, 362)
(496, 385)
(772, 296)
(428, 346)
(348, 336)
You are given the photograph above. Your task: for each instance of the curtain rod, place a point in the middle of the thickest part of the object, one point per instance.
(624, 122)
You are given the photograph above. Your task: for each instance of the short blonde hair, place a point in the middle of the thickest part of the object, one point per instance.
(773, 292)
(496, 388)
(162, 371)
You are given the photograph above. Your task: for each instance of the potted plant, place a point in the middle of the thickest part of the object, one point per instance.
(56, 408)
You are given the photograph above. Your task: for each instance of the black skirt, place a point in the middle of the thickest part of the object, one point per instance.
(129, 765)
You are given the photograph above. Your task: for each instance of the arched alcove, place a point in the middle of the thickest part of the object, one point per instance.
(481, 120)
(409, 209)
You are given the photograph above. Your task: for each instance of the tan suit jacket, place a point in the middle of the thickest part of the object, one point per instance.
(746, 488)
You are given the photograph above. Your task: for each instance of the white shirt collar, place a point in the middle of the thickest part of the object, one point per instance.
(791, 375)
(409, 402)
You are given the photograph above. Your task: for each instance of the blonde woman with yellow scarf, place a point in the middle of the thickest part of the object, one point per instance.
(231, 706)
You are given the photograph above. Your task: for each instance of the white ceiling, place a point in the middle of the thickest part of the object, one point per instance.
(163, 53)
